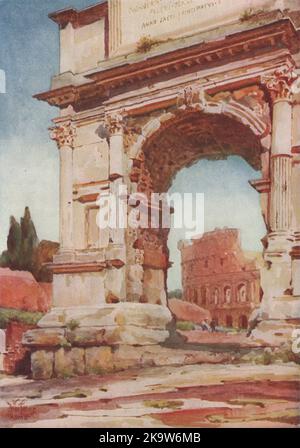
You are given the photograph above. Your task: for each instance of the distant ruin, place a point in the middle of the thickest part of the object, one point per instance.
(220, 277)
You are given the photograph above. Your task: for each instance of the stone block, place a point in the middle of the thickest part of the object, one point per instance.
(151, 127)
(115, 335)
(42, 362)
(127, 356)
(138, 314)
(274, 332)
(69, 362)
(45, 337)
(132, 335)
(86, 337)
(99, 360)
(154, 286)
(115, 283)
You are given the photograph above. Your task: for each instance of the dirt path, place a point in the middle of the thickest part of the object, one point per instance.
(193, 396)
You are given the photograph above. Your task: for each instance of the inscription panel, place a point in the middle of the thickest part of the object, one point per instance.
(165, 19)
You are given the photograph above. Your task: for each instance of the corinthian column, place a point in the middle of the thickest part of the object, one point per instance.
(279, 85)
(64, 136)
(277, 276)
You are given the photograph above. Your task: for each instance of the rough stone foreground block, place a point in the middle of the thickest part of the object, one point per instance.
(126, 357)
(115, 335)
(156, 356)
(287, 307)
(47, 337)
(141, 315)
(274, 332)
(99, 360)
(42, 362)
(102, 360)
(69, 362)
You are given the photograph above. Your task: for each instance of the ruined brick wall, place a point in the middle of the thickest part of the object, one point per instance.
(218, 276)
(19, 290)
(17, 357)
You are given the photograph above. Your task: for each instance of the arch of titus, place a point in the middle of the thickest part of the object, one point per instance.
(147, 87)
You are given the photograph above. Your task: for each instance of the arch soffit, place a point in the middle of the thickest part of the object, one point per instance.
(192, 100)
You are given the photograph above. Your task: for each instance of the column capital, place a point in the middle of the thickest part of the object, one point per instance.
(281, 83)
(64, 134)
(114, 123)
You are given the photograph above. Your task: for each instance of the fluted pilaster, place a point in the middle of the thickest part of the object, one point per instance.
(64, 135)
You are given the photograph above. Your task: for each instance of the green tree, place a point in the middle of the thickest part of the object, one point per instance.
(22, 245)
(29, 244)
(14, 244)
(25, 252)
(176, 293)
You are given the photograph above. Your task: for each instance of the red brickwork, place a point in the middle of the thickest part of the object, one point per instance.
(218, 276)
(19, 290)
(17, 357)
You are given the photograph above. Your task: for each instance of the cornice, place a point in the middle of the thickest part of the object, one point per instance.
(80, 18)
(265, 39)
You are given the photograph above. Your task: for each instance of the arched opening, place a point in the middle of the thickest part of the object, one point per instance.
(242, 293)
(187, 140)
(195, 296)
(229, 321)
(243, 322)
(227, 295)
(203, 295)
(215, 296)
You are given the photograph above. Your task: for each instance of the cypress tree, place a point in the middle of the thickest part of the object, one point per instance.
(29, 243)
(14, 244)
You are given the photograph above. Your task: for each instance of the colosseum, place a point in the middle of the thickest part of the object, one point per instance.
(219, 276)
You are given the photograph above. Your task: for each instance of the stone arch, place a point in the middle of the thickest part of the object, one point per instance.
(242, 292)
(207, 128)
(227, 294)
(204, 295)
(229, 321)
(214, 131)
(192, 99)
(216, 295)
(243, 322)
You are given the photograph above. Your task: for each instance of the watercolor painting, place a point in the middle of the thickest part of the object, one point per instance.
(150, 214)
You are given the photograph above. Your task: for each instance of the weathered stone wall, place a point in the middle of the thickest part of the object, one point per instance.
(17, 356)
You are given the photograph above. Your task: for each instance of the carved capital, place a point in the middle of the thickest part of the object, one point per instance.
(192, 96)
(63, 134)
(280, 83)
(114, 123)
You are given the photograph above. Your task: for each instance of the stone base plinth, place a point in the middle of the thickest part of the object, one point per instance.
(94, 336)
(78, 341)
(277, 318)
(138, 314)
(276, 332)
(75, 361)
(282, 308)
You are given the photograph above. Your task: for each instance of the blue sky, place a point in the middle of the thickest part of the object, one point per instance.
(29, 54)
